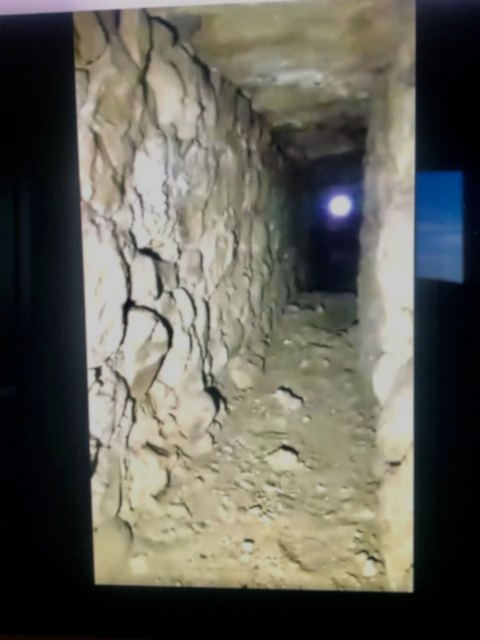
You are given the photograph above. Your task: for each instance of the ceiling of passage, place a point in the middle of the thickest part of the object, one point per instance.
(309, 66)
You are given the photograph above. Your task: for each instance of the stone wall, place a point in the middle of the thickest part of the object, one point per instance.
(386, 294)
(183, 216)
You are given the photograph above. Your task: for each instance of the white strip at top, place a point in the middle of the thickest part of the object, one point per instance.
(17, 7)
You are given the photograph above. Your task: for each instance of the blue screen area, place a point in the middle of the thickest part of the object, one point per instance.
(439, 226)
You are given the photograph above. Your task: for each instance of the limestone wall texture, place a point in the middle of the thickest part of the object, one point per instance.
(183, 215)
(386, 295)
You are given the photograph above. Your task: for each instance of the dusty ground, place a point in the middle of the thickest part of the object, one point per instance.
(302, 517)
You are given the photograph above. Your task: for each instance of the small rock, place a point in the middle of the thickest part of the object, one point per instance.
(266, 517)
(320, 308)
(224, 513)
(369, 569)
(138, 565)
(198, 483)
(201, 447)
(292, 308)
(287, 342)
(178, 511)
(243, 374)
(147, 477)
(246, 484)
(325, 363)
(365, 514)
(195, 414)
(179, 475)
(283, 459)
(306, 419)
(271, 488)
(353, 579)
(288, 399)
(321, 488)
(248, 546)
(304, 364)
(256, 510)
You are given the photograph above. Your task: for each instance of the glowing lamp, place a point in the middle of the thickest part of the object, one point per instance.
(340, 206)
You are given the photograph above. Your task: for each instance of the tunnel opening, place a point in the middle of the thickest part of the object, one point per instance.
(326, 217)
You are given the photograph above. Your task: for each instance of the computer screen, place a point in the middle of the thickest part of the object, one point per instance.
(237, 280)
(247, 202)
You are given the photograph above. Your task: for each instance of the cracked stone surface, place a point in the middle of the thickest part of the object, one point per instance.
(386, 302)
(172, 241)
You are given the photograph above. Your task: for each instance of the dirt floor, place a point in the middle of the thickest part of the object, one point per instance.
(287, 497)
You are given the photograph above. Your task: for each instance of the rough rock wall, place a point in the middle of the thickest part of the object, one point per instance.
(386, 294)
(182, 212)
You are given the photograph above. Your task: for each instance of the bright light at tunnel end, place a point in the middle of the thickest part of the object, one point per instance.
(340, 206)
